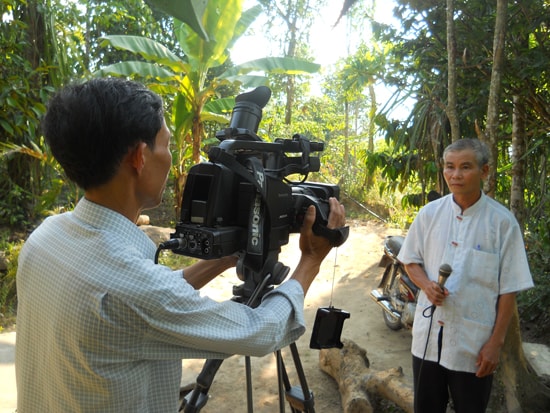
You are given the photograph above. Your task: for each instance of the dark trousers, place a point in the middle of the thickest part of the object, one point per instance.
(433, 384)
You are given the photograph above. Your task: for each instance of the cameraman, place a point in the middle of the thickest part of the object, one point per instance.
(100, 326)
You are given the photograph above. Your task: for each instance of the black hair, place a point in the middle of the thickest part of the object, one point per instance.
(91, 126)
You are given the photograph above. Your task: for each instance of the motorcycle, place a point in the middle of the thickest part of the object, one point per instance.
(396, 293)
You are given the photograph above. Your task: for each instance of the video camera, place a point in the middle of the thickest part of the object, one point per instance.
(240, 202)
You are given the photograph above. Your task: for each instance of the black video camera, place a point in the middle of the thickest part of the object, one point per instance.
(240, 202)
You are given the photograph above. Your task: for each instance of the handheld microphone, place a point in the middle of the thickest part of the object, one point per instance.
(444, 271)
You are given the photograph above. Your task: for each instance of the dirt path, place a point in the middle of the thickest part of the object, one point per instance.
(357, 272)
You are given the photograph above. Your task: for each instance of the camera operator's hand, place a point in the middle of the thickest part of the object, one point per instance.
(202, 272)
(315, 248)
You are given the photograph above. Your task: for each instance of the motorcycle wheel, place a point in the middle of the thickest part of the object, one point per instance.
(392, 322)
(392, 286)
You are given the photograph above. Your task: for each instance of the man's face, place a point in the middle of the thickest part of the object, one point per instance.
(462, 172)
(157, 167)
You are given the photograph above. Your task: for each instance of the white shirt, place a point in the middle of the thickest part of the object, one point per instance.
(101, 328)
(484, 246)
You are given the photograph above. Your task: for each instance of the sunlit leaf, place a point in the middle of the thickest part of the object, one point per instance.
(188, 11)
(131, 68)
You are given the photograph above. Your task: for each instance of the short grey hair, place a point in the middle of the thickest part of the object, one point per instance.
(480, 149)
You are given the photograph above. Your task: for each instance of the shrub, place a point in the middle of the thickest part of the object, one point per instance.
(8, 292)
(534, 304)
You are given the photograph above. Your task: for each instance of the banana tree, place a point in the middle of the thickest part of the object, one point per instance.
(191, 79)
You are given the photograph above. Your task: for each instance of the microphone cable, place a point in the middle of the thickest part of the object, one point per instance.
(445, 271)
(171, 244)
(426, 314)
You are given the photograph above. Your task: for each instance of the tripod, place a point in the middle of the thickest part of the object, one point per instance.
(300, 398)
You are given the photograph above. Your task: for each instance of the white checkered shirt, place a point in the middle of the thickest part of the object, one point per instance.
(101, 328)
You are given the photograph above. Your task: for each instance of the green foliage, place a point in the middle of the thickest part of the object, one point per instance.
(76, 28)
(8, 293)
(172, 260)
(191, 68)
(418, 56)
(12, 204)
(20, 103)
(197, 80)
(534, 304)
(21, 208)
(45, 45)
(21, 106)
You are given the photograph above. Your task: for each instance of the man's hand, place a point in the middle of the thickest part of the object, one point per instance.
(315, 248)
(487, 360)
(435, 294)
(202, 272)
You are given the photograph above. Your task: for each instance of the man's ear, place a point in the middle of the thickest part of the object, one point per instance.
(484, 172)
(136, 157)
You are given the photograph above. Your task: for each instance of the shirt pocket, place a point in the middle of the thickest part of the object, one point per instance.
(479, 288)
(481, 269)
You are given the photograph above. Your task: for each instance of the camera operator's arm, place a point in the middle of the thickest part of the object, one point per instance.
(202, 272)
(315, 248)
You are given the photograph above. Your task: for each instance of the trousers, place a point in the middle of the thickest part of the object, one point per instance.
(435, 385)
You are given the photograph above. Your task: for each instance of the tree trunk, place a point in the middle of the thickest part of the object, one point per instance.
(289, 99)
(372, 128)
(452, 113)
(22, 169)
(372, 115)
(290, 52)
(346, 135)
(359, 386)
(516, 388)
(197, 132)
(297, 17)
(494, 94)
(521, 390)
(519, 145)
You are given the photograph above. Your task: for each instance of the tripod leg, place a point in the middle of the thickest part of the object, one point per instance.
(196, 400)
(248, 369)
(301, 375)
(282, 380)
(300, 398)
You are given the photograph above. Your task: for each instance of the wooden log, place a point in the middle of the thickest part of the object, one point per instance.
(350, 368)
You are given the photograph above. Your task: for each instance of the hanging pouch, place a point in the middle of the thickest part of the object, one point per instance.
(327, 328)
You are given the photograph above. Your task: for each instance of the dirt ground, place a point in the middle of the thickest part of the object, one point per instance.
(356, 272)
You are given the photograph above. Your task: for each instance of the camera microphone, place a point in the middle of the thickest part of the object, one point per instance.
(444, 271)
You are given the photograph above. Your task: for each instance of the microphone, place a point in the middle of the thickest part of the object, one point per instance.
(444, 271)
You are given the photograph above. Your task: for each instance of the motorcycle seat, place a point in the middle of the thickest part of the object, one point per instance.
(392, 244)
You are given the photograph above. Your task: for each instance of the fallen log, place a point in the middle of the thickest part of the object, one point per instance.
(358, 385)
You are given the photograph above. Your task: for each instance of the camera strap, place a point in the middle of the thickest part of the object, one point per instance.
(336, 236)
(256, 178)
(254, 173)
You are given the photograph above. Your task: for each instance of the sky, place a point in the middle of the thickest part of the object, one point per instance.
(328, 43)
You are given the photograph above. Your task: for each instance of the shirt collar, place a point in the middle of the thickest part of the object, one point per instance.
(106, 219)
(471, 210)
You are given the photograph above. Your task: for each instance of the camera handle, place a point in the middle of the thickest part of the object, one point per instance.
(300, 399)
